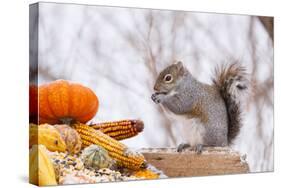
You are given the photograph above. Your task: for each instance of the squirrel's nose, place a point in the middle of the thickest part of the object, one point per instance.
(155, 88)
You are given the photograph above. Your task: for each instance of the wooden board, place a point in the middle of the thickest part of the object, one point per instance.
(212, 161)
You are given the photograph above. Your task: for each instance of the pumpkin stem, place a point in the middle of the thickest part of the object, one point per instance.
(67, 120)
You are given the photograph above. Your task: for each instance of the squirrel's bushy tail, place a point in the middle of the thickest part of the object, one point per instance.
(232, 82)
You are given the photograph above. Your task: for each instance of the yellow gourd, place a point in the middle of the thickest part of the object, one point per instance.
(41, 170)
(48, 136)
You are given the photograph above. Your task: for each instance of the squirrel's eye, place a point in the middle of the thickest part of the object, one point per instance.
(168, 78)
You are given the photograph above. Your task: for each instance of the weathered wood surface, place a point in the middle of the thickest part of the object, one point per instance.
(212, 161)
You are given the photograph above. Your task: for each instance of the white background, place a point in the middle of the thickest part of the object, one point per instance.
(14, 90)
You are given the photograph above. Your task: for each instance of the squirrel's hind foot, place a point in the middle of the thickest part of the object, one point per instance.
(182, 147)
(198, 148)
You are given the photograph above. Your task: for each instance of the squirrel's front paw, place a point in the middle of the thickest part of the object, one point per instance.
(157, 97)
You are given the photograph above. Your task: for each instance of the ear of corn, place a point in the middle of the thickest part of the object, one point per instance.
(41, 170)
(118, 151)
(120, 130)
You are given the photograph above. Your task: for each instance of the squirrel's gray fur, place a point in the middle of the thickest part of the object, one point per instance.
(216, 106)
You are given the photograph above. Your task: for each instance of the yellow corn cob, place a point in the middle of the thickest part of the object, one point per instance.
(120, 130)
(118, 151)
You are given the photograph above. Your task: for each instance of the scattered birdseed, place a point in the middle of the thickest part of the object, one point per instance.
(70, 169)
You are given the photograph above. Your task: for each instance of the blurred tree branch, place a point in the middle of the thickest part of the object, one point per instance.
(268, 24)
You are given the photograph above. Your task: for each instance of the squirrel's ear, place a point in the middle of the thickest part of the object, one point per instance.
(179, 64)
(180, 67)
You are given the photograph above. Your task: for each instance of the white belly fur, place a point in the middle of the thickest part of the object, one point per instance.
(192, 130)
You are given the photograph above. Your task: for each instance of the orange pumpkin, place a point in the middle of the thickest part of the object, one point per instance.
(64, 102)
(33, 103)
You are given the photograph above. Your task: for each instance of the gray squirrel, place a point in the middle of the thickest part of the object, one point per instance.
(216, 107)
